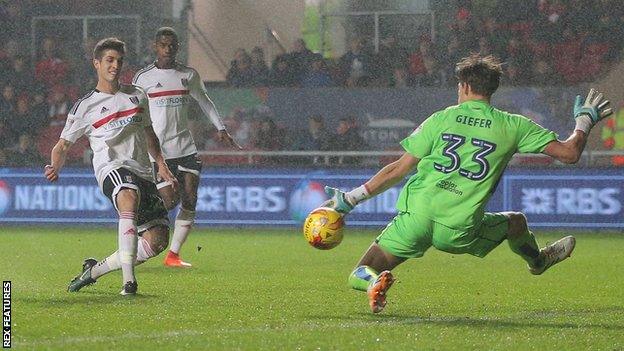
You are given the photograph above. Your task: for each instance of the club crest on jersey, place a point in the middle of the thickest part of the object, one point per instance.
(184, 81)
(104, 109)
(128, 178)
(158, 85)
(135, 100)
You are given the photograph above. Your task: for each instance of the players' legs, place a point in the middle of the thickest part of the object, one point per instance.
(185, 218)
(169, 196)
(127, 201)
(522, 241)
(405, 237)
(152, 242)
(374, 261)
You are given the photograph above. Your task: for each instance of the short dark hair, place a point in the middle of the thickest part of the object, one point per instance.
(108, 44)
(165, 31)
(481, 73)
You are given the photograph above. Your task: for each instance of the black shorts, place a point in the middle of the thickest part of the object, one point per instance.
(189, 164)
(151, 211)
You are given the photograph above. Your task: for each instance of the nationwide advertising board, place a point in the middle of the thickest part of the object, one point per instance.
(556, 198)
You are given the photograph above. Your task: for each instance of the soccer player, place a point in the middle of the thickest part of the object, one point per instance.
(460, 154)
(171, 87)
(117, 122)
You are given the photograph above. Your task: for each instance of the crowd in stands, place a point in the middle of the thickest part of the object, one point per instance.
(542, 42)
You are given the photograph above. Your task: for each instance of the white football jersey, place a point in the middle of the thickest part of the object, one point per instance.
(115, 125)
(170, 92)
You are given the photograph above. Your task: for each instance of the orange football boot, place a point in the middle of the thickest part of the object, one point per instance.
(173, 260)
(377, 291)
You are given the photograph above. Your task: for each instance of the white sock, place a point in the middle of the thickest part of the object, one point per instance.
(111, 263)
(358, 194)
(127, 239)
(183, 224)
(107, 265)
(144, 251)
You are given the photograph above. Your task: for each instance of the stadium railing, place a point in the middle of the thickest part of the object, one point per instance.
(597, 158)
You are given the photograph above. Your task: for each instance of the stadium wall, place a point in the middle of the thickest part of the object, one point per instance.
(561, 198)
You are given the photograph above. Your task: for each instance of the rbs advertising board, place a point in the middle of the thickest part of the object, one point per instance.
(557, 198)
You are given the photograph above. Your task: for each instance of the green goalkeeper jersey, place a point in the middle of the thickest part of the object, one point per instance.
(463, 152)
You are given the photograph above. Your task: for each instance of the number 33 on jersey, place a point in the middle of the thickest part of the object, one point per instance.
(463, 151)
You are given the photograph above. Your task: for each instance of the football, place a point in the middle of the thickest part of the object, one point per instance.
(323, 228)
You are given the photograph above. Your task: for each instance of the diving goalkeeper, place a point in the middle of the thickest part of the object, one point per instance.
(460, 153)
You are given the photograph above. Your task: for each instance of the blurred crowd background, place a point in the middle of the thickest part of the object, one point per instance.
(543, 43)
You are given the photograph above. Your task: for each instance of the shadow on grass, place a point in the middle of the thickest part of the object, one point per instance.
(531, 319)
(83, 298)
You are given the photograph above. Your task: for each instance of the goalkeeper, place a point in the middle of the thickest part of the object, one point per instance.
(460, 153)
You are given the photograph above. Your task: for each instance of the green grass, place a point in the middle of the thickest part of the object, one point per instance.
(255, 289)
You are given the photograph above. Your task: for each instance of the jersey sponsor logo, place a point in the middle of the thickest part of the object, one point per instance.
(135, 100)
(104, 109)
(449, 186)
(168, 93)
(158, 85)
(116, 115)
(123, 122)
(171, 101)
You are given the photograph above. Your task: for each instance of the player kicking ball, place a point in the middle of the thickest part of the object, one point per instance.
(460, 154)
(171, 87)
(117, 122)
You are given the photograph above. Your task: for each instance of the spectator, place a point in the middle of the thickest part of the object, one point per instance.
(233, 71)
(300, 59)
(356, 65)
(24, 154)
(244, 75)
(315, 138)
(282, 73)
(432, 76)
(51, 69)
(348, 138)
(259, 67)
(58, 106)
(7, 108)
(269, 136)
(21, 77)
(391, 57)
(22, 119)
(317, 76)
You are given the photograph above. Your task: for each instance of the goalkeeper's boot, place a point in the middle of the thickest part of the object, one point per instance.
(130, 288)
(553, 254)
(377, 291)
(83, 279)
(173, 260)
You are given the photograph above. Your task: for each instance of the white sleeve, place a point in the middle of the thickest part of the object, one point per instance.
(198, 92)
(75, 127)
(144, 105)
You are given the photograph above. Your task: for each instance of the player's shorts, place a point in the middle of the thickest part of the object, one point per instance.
(189, 164)
(151, 211)
(410, 235)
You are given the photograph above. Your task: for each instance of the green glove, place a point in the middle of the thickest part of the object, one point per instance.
(337, 200)
(594, 109)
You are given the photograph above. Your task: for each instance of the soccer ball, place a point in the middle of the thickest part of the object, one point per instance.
(323, 228)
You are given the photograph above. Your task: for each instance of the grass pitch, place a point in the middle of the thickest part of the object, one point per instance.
(254, 289)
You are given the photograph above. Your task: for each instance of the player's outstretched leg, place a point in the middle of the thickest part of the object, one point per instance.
(84, 278)
(553, 254)
(523, 243)
(365, 276)
(150, 244)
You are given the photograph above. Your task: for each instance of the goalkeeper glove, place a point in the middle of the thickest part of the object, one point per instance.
(594, 109)
(338, 201)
